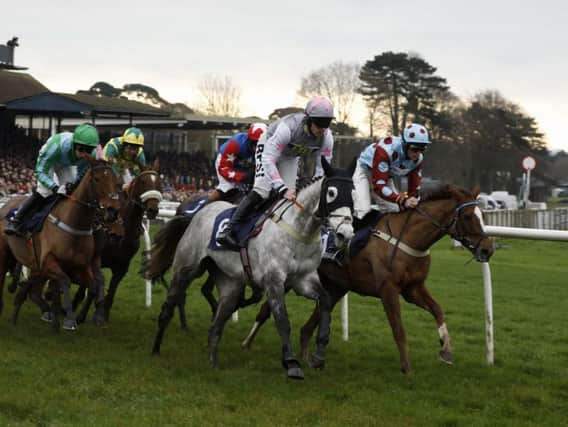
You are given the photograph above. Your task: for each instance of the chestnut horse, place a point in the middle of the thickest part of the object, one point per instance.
(395, 261)
(63, 251)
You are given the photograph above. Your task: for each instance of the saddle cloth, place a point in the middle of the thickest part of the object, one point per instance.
(243, 231)
(34, 223)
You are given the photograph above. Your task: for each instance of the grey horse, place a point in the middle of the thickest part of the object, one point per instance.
(284, 255)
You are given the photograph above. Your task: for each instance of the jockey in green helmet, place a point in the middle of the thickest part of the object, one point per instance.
(55, 168)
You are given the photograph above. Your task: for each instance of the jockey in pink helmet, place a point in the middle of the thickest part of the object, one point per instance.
(277, 155)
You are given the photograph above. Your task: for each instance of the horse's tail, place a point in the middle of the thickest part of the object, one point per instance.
(163, 248)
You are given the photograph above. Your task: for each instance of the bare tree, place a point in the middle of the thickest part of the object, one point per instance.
(338, 81)
(220, 96)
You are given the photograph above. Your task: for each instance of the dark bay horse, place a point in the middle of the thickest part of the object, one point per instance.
(142, 197)
(63, 251)
(395, 261)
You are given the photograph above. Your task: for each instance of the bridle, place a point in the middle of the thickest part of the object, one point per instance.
(92, 201)
(139, 200)
(454, 228)
(325, 211)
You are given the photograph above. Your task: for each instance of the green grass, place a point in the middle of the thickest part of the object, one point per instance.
(107, 377)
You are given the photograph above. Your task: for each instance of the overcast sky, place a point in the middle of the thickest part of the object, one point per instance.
(519, 50)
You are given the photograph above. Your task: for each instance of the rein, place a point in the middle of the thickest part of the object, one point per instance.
(452, 228)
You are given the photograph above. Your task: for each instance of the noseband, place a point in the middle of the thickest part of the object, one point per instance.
(145, 196)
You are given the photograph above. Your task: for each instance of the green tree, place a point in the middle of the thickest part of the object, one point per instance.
(402, 87)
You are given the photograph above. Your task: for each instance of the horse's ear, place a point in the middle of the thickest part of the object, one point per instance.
(326, 166)
(352, 166)
(476, 190)
(156, 164)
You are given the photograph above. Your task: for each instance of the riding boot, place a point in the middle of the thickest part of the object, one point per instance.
(27, 207)
(227, 236)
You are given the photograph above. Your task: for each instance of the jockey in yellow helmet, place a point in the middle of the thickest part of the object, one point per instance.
(127, 153)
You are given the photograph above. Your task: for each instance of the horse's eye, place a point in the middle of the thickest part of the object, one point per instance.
(331, 194)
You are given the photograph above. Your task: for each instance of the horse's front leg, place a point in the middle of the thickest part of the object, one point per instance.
(261, 317)
(420, 296)
(53, 270)
(275, 293)
(310, 287)
(230, 291)
(98, 293)
(391, 303)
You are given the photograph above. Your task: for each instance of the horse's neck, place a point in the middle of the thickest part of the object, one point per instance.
(304, 220)
(132, 215)
(420, 231)
(77, 213)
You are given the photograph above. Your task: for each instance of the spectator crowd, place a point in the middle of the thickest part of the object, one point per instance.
(183, 174)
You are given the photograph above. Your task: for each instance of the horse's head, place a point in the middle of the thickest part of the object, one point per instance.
(103, 187)
(467, 226)
(146, 191)
(336, 201)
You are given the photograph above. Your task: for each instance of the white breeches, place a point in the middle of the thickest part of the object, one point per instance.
(364, 195)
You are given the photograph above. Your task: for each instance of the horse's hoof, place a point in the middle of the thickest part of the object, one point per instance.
(316, 363)
(446, 357)
(69, 325)
(47, 316)
(295, 373)
(99, 321)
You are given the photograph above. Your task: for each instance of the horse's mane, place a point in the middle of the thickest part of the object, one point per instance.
(308, 182)
(445, 191)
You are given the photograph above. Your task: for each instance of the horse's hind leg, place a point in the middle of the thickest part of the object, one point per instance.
(175, 292)
(207, 292)
(420, 296)
(229, 298)
(262, 316)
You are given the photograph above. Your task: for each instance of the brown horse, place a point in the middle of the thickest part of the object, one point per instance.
(63, 251)
(142, 197)
(395, 261)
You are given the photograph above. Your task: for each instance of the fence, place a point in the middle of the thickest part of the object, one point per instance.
(544, 219)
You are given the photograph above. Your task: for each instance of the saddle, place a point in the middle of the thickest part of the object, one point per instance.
(33, 222)
(245, 230)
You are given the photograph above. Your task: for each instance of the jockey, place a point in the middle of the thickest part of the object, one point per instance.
(54, 168)
(277, 155)
(380, 161)
(127, 152)
(235, 162)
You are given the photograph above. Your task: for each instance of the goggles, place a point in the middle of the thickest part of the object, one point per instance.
(321, 122)
(83, 148)
(417, 148)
